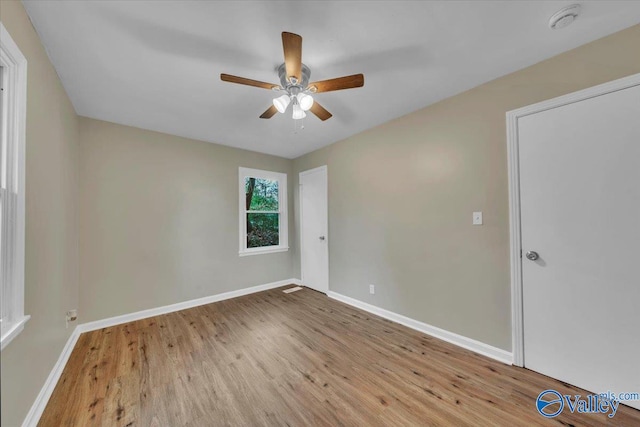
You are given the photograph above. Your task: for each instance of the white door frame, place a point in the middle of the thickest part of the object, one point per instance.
(326, 174)
(517, 320)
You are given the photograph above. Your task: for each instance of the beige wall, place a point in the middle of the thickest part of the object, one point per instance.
(159, 220)
(401, 196)
(51, 276)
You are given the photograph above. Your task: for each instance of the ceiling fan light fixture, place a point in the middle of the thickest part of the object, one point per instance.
(294, 82)
(281, 103)
(298, 112)
(305, 101)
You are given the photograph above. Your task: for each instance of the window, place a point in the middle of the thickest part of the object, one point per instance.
(13, 78)
(263, 212)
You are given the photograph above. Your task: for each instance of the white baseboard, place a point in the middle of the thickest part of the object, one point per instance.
(125, 318)
(34, 414)
(453, 338)
(32, 418)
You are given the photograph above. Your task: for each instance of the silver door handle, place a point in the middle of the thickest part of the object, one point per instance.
(321, 237)
(532, 255)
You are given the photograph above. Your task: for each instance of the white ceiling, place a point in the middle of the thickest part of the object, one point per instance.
(156, 64)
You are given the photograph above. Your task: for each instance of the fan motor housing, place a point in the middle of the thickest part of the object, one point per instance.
(302, 85)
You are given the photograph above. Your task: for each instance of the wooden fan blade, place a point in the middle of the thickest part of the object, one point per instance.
(242, 81)
(320, 111)
(271, 111)
(292, 46)
(346, 82)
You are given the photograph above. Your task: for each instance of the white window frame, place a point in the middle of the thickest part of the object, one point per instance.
(283, 232)
(14, 114)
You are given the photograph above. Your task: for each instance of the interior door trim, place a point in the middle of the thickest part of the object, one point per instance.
(300, 175)
(513, 161)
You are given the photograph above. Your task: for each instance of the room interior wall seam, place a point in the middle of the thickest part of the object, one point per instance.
(48, 54)
(39, 405)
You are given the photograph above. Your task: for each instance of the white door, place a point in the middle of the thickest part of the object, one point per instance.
(580, 212)
(314, 253)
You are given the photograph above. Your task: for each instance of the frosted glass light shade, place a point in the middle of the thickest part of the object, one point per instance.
(298, 113)
(281, 103)
(305, 101)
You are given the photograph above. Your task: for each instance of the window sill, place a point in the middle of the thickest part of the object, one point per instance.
(13, 332)
(264, 251)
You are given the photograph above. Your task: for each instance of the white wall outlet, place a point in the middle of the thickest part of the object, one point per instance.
(72, 316)
(477, 218)
(372, 289)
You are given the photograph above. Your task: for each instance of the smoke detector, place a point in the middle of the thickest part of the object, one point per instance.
(564, 17)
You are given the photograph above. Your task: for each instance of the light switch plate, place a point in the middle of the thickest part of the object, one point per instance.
(477, 218)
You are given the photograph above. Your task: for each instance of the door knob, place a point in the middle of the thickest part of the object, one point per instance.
(532, 255)
(321, 237)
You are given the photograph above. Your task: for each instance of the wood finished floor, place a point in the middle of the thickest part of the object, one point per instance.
(296, 359)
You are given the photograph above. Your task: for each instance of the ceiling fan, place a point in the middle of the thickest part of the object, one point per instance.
(294, 82)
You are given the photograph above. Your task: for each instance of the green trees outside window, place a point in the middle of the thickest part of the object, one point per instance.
(263, 216)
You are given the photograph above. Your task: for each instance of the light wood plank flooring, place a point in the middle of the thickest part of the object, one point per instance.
(298, 359)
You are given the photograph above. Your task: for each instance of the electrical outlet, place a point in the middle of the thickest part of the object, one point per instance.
(372, 289)
(71, 316)
(477, 218)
